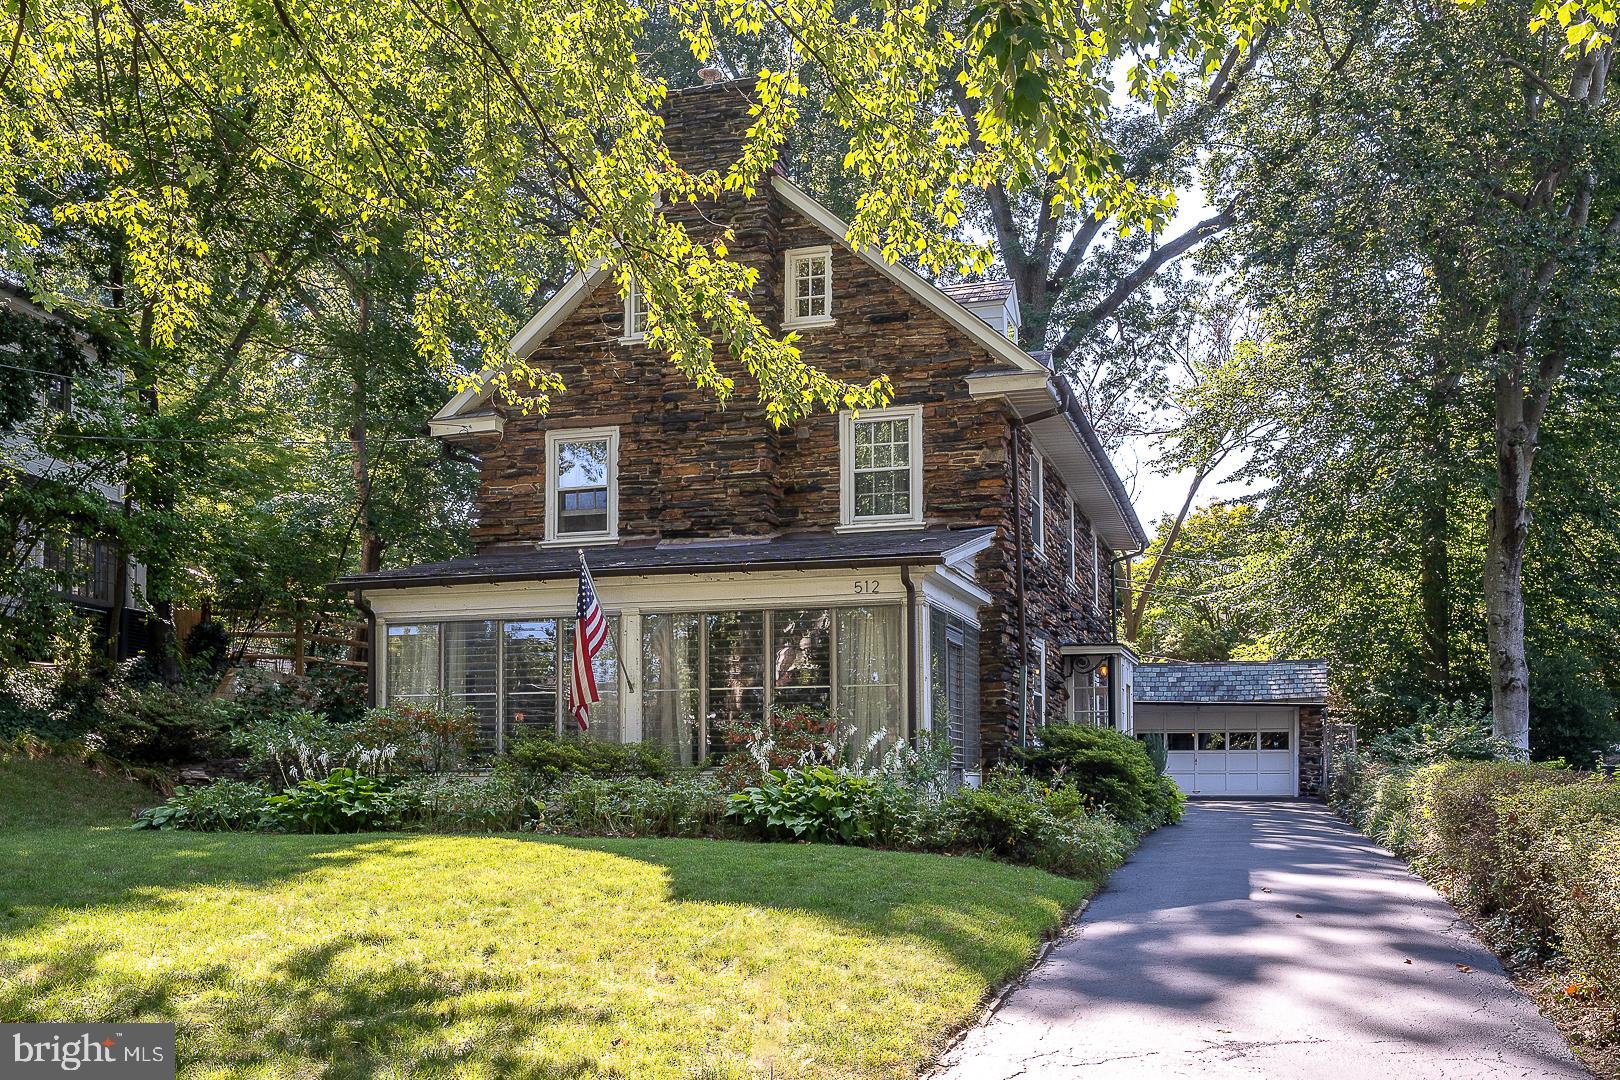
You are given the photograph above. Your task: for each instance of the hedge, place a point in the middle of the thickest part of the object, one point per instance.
(1534, 849)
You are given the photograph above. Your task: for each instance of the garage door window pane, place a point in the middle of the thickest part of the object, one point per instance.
(1212, 740)
(1179, 740)
(1274, 740)
(1241, 740)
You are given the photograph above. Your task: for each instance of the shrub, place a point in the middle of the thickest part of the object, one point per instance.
(345, 801)
(1534, 850)
(423, 738)
(813, 803)
(1572, 714)
(154, 725)
(222, 806)
(635, 806)
(549, 758)
(490, 802)
(1443, 731)
(1017, 819)
(288, 747)
(1112, 769)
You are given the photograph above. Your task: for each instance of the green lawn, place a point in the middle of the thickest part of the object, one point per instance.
(502, 956)
(46, 792)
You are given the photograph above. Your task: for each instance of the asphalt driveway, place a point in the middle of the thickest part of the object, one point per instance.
(1265, 939)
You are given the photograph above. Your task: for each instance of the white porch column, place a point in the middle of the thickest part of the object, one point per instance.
(630, 675)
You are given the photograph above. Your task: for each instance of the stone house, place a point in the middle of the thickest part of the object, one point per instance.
(945, 563)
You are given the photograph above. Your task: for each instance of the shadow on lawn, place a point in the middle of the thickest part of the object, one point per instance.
(310, 1004)
(307, 1015)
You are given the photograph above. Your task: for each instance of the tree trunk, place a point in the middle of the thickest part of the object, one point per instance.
(1434, 528)
(1136, 609)
(371, 544)
(1509, 528)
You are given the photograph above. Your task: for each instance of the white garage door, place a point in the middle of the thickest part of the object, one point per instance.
(1228, 749)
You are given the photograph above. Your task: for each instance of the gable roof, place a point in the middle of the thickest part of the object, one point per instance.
(977, 292)
(1038, 392)
(796, 551)
(1233, 682)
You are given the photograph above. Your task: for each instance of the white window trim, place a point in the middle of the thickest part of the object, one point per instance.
(1074, 543)
(789, 261)
(1037, 483)
(846, 469)
(630, 336)
(1037, 705)
(611, 535)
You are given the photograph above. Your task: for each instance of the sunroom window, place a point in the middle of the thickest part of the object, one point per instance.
(581, 468)
(882, 467)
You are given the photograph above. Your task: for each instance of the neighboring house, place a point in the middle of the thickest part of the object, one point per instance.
(945, 563)
(1237, 728)
(87, 563)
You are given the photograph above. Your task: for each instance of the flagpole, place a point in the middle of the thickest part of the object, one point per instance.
(612, 629)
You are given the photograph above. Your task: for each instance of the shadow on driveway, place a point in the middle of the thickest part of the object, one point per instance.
(1266, 939)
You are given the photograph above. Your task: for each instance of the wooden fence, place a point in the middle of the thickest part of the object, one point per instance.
(310, 633)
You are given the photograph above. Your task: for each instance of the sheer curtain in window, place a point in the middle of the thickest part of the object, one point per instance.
(670, 653)
(413, 663)
(870, 658)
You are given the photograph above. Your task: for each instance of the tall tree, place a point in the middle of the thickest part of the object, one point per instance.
(1462, 169)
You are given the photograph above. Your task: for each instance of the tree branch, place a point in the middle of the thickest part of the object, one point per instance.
(1138, 277)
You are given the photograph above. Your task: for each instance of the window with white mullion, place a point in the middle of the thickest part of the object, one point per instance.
(882, 467)
(635, 313)
(1074, 542)
(808, 276)
(581, 469)
(1037, 502)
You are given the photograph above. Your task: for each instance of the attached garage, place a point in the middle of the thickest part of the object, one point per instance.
(1237, 729)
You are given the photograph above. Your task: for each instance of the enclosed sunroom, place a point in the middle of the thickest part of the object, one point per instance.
(881, 628)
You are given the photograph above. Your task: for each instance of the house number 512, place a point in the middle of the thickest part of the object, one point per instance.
(867, 586)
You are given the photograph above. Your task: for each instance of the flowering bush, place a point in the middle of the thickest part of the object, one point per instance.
(345, 801)
(421, 738)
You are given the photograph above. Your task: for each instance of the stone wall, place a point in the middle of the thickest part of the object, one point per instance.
(1312, 726)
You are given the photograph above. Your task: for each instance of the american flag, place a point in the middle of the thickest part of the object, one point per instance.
(590, 632)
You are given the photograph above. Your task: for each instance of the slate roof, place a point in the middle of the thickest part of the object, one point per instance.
(798, 551)
(977, 292)
(1233, 682)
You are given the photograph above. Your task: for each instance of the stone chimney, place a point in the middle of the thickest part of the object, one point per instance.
(704, 125)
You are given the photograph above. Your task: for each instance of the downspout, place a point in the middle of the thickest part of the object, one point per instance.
(371, 647)
(912, 718)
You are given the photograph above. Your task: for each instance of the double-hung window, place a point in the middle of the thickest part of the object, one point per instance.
(1037, 688)
(808, 284)
(1037, 503)
(582, 484)
(880, 453)
(635, 314)
(1074, 542)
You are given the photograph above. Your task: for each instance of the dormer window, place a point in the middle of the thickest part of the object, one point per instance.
(582, 485)
(881, 457)
(809, 287)
(635, 314)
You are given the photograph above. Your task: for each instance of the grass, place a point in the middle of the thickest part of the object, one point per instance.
(46, 792)
(498, 956)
